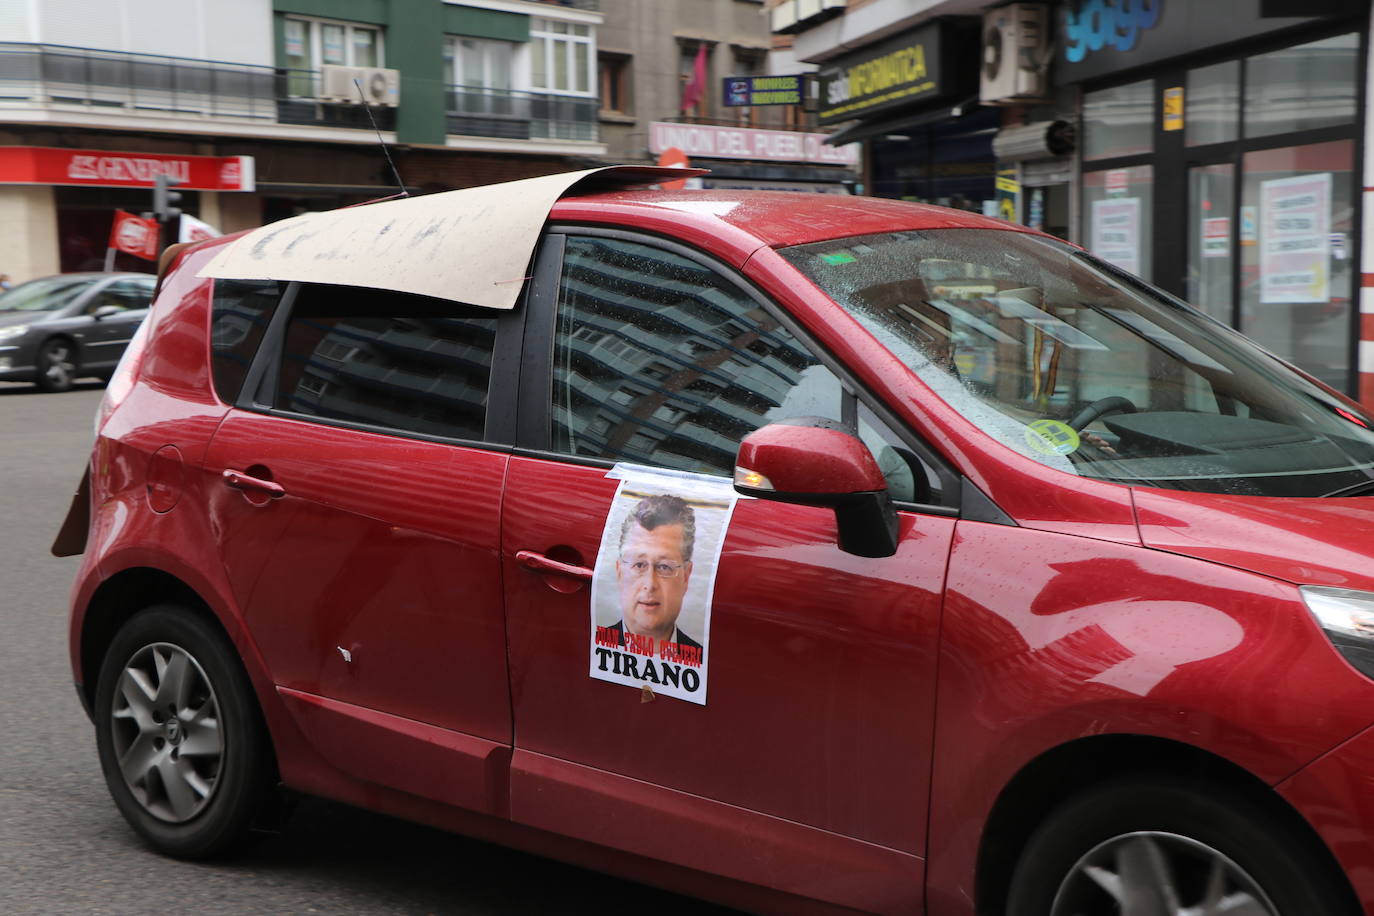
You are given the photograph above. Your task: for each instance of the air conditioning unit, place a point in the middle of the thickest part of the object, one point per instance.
(380, 86)
(1016, 54)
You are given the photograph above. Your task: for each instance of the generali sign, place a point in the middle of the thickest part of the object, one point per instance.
(713, 142)
(110, 169)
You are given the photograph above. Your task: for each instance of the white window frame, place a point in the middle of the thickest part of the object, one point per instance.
(453, 45)
(541, 28)
(315, 35)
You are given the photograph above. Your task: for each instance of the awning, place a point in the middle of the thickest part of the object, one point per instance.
(865, 129)
(470, 246)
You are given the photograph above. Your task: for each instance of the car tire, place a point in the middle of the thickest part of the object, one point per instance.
(190, 783)
(57, 367)
(1170, 849)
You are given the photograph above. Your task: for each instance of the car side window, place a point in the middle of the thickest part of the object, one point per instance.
(382, 358)
(660, 360)
(239, 316)
(121, 294)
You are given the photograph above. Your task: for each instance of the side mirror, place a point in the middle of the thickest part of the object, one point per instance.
(814, 461)
(105, 311)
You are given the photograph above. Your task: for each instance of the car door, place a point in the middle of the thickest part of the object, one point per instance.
(811, 751)
(103, 339)
(355, 493)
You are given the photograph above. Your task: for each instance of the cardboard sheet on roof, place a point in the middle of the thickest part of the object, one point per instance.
(472, 246)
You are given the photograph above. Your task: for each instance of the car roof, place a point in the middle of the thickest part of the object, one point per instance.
(774, 218)
(474, 245)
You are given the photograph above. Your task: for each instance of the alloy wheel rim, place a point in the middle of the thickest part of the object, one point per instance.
(60, 367)
(167, 737)
(1152, 873)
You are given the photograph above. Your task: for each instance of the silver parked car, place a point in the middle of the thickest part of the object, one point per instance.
(55, 330)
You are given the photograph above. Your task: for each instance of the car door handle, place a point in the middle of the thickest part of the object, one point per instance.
(540, 563)
(238, 480)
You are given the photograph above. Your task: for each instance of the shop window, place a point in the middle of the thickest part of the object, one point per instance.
(614, 80)
(1303, 87)
(1297, 224)
(1211, 205)
(1119, 121)
(1212, 104)
(1118, 211)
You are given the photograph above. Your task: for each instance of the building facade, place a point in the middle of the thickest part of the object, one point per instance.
(1215, 149)
(98, 96)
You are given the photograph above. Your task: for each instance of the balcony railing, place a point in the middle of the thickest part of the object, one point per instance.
(177, 86)
(476, 111)
(590, 5)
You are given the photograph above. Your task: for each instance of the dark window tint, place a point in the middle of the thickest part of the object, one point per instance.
(238, 318)
(659, 360)
(388, 359)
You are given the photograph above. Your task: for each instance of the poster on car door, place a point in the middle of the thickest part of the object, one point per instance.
(1295, 239)
(1116, 232)
(654, 581)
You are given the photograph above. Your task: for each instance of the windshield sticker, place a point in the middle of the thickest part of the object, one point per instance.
(839, 257)
(1050, 437)
(655, 578)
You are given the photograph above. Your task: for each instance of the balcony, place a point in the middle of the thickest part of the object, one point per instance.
(475, 111)
(154, 85)
(591, 6)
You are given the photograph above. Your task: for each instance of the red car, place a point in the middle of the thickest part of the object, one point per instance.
(798, 552)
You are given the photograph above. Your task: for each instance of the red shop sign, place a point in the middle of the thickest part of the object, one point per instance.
(111, 169)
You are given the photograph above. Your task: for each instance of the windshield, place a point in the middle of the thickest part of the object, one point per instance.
(46, 295)
(1086, 369)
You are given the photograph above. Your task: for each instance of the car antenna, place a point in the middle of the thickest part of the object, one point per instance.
(394, 174)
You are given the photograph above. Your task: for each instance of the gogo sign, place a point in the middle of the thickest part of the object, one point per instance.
(1091, 25)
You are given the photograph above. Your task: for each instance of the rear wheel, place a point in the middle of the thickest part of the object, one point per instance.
(180, 738)
(56, 365)
(1151, 848)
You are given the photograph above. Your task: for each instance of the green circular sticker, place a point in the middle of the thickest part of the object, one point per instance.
(1050, 437)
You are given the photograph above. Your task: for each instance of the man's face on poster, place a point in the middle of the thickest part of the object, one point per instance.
(652, 576)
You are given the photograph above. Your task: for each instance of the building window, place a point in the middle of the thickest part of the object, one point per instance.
(747, 63)
(695, 102)
(312, 43)
(614, 72)
(561, 56)
(474, 63)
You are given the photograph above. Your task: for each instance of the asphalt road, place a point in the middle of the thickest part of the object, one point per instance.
(65, 849)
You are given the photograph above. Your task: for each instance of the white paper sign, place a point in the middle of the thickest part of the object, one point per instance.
(654, 580)
(1116, 232)
(1295, 239)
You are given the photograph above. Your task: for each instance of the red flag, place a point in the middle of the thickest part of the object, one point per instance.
(134, 235)
(692, 92)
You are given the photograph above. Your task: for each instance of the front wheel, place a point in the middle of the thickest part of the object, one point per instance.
(56, 365)
(1151, 848)
(180, 738)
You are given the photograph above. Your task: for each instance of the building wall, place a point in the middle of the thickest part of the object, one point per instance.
(654, 32)
(28, 232)
(223, 30)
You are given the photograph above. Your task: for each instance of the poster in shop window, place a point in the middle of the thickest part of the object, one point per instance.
(1295, 239)
(1116, 232)
(654, 581)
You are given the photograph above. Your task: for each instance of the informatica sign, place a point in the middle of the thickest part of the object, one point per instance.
(110, 169)
(893, 74)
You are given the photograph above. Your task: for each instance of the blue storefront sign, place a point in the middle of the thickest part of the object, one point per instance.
(739, 91)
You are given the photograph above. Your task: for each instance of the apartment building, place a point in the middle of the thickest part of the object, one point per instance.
(651, 52)
(253, 104)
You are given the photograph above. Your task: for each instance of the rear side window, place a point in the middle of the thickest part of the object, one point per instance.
(381, 358)
(238, 318)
